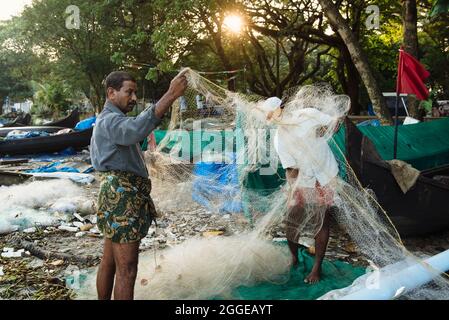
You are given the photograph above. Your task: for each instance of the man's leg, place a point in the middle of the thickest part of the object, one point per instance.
(291, 175)
(321, 240)
(126, 256)
(106, 272)
(293, 246)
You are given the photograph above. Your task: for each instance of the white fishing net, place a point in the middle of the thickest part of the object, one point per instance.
(40, 203)
(206, 268)
(209, 157)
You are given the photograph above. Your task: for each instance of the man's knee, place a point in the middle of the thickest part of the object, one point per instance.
(127, 270)
(126, 259)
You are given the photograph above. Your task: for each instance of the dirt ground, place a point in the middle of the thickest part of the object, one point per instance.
(51, 255)
(45, 277)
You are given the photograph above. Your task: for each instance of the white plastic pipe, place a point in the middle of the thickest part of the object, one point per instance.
(412, 277)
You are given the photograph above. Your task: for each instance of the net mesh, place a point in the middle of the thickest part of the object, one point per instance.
(216, 141)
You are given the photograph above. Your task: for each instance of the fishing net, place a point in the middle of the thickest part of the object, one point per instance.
(41, 203)
(209, 157)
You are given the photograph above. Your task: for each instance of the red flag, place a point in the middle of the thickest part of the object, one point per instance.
(411, 76)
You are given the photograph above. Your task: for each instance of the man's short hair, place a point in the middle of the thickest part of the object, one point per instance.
(116, 78)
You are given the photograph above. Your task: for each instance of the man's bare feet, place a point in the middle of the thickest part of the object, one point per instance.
(313, 277)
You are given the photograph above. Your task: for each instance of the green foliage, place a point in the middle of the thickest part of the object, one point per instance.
(52, 99)
(153, 39)
(152, 74)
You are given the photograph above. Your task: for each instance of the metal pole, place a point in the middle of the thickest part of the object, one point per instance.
(396, 127)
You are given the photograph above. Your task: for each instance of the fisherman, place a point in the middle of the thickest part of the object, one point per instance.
(125, 208)
(310, 170)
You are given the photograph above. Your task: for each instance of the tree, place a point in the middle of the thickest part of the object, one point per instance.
(17, 61)
(286, 24)
(284, 44)
(410, 43)
(434, 45)
(359, 59)
(85, 52)
(53, 98)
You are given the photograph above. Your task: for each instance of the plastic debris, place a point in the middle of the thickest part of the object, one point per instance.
(78, 224)
(76, 215)
(94, 230)
(10, 253)
(86, 227)
(67, 228)
(57, 263)
(30, 230)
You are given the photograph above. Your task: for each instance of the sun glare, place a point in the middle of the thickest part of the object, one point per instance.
(234, 23)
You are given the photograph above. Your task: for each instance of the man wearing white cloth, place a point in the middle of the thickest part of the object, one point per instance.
(310, 169)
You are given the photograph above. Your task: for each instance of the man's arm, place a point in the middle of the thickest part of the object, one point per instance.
(177, 87)
(128, 131)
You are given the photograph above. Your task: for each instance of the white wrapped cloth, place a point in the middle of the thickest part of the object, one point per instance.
(298, 145)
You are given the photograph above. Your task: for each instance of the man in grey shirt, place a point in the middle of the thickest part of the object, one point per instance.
(125, 208)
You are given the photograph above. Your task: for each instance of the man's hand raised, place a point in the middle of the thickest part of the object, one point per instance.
(177, 88)
(179, 84)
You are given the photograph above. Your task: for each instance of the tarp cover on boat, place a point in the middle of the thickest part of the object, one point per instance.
(424, 145)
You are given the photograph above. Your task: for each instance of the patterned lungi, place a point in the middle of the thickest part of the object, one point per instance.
(125, 208)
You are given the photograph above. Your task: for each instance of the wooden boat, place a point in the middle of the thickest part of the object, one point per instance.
(4, 131)
(421, 210)
(21, 121)
(55, 143)
(68, 122)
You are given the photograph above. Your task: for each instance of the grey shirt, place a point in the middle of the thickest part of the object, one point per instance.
(115, 140)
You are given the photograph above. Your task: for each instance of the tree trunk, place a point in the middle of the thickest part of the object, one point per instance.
(410, 43)
(96, 97)
(410, 35)
(349, 80)
(359, 59)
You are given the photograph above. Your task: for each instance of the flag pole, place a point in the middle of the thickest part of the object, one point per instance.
(411, 76)
(396, 126)
(396, 109)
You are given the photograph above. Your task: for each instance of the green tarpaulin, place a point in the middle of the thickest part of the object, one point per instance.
(424, 145)
(334, 275)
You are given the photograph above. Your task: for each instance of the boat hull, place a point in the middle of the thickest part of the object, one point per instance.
(421, 210)
(55, 143)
